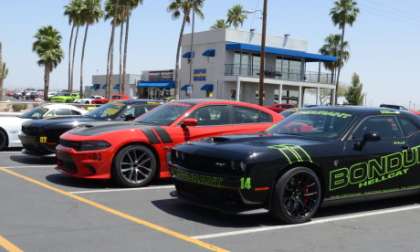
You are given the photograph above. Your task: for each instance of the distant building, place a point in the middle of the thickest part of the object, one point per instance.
(157, 84)
(98, 86)
(226, 64)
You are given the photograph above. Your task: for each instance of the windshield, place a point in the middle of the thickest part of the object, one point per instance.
(314, 123)
(165, 114)
(35, 113)
(107, 111)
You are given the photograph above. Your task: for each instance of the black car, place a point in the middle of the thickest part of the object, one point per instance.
(40, 137)
(313, 158)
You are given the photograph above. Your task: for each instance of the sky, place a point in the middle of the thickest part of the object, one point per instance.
(384, 41)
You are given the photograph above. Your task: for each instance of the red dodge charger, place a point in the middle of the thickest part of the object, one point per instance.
(133, 154)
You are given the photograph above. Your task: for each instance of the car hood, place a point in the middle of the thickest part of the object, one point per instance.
(240, 147)
(70, 121)
(99, 128)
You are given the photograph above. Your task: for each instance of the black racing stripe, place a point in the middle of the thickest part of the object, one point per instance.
(166, 138)
(151, 136)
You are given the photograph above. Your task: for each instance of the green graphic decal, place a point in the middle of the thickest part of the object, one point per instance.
(293, 153)
(325, 113)
(375, 171)
(198, 179)
(389, 112)
(246, 183)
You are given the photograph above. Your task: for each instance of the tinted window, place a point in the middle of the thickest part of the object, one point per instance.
(35, 113)
(106, 111)
(62, 112)
(408, 126)
(134, 111)
(385, 127)
(211, 115)
(75, 112)
(249, 115)
(314, 123)
(164, 114)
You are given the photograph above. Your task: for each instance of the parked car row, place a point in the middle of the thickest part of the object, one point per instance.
(238, 156)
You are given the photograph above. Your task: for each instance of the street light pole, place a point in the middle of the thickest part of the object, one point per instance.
(262, 56)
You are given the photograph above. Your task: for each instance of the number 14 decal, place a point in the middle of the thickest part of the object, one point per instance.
(246, 183)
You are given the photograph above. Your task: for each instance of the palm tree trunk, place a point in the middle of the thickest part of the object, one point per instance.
(70, 47)
(127, 28)
(178, 54)
(110, 62)
(82, 59)
(339, 66)
(46, 81)
(73, 58)
(121, 54)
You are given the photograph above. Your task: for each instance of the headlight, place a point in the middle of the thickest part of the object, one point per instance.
(93, 145)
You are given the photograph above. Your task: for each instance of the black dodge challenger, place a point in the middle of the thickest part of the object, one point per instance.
(40, 137)
(313, 158)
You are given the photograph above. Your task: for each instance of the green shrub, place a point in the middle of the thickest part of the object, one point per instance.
(19, 107)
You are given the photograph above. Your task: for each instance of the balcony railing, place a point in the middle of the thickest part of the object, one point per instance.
(272, 73)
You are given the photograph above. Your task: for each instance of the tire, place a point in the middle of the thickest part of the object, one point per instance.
(134, 166)
(297, 196)
(4, 140)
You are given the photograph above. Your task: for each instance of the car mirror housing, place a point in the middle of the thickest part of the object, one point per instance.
(368, 137)
(189, 122)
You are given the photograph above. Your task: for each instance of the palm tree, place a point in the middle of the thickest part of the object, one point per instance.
(91, 14)
(47, 46)
(3, 73)
(220, 24)
(184, 9)
(74, 12)
(131, 5)
(236, 16)
(332, 47)
(343, 13)
(113, 11)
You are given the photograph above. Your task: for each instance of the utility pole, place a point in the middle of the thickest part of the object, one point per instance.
(262, 55)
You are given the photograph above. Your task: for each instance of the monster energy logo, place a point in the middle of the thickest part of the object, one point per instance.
(375, 171)
(293, 153)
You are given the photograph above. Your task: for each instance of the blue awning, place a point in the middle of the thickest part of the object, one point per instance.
(185, 87)
(208, 88)
(188, 55)
(117, 87)
(156, 84)
(293, 54)
(210, 53)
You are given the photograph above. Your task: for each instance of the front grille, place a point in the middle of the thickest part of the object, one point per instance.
(208, 195)
(70, 144)
(205, 164)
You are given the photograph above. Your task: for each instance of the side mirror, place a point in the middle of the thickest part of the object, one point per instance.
(371, 137)
(189, 122)
(128, 117)
(368, 137)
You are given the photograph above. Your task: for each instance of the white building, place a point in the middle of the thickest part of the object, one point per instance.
(98, 86)
(225, 64)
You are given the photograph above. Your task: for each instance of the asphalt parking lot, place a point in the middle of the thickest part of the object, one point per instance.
(42, 210)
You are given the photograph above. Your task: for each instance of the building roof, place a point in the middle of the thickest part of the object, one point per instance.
(287, 53)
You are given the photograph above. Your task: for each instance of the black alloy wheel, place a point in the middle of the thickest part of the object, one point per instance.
(297, 196)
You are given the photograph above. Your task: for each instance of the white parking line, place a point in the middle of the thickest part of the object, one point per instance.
(29, 166)
(314, 222)
(126, 189)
